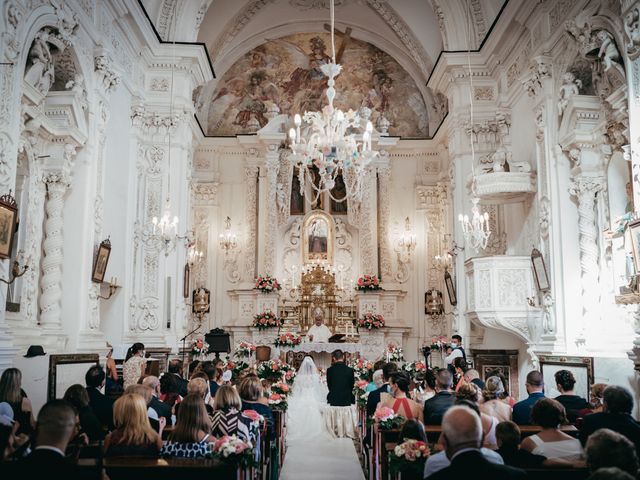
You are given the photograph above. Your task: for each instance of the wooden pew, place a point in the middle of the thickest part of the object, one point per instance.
(132, 468)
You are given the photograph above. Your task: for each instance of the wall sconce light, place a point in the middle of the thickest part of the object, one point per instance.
(113, 286)
(193, 254)
(407, 240)
(228, 240)
(443, 262)
(433, 303)
(16, 272)
(405, 245)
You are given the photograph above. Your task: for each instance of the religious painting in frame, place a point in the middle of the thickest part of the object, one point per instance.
(634, 232)
(101, 262)
(451, 289)
(581, 367)
(540, 270)
(68, 369)
(8, 222)
(317, 238)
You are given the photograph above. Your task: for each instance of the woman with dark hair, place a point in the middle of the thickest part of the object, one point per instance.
(551, 442)
(399, 399)
(573, 404)
(413, 430)
(190, 437)
(169, 390)
(460, 366)
(134, 365)
(78, 397)
(12, 393)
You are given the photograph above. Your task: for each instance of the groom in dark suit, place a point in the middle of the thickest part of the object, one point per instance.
(340, 380)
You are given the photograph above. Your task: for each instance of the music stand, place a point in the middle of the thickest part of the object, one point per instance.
(218, 341)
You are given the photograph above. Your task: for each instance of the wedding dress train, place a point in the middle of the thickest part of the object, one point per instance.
(312, 453)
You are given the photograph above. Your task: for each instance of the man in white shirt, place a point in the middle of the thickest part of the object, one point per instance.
(318, 332)
(456, 352)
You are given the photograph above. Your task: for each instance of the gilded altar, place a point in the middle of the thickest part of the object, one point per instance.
(319, 295)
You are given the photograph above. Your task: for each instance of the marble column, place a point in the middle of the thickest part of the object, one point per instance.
(585, 189)
(51, 279)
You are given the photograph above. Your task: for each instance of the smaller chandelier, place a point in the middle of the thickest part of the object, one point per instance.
(476, 230)
(165, 230)
(228, 240)
(193, 254)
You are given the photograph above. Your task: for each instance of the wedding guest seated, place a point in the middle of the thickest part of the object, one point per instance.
(190, 437)
(610, 473)
(551, 442)
(112, 384)
(522, 410)
(250, 390)
(209, 369)
(12, 445)
(376, 379)
(413, 430)
(175, 369)
(460, 366)
(574, 404)
(55, 428)
(398, 399)
(227, 417)
(194, 367)
(133, 434)
(492, 405)
(161, 408)
(508, 436)
(471, 393)
(77, 396)
(473, 376)
(198, 385)
(169, 390)
(606, 448)
(157, 423)
(374, 397)
(617, 404)
(505, 397)
(134, 365)
(12, 393)
(101, 405)
(597, 391)
(435, 407)
(462, 436)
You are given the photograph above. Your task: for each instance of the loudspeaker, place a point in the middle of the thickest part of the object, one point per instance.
(218, 341)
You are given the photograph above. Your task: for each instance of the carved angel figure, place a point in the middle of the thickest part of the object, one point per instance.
(40, 74)
(570, 86)
(632, 27)
(608, 51)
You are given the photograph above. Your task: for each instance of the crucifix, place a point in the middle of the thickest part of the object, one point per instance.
(346, 36)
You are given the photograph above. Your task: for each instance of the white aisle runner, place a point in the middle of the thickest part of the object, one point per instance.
(322, 459)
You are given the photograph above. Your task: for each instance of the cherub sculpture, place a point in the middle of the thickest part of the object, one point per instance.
(570, 86)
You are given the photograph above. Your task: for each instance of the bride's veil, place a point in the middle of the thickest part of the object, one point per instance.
(308, 381)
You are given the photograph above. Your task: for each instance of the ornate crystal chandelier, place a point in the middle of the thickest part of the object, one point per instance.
(330, 144)
(227, 239)
(476, 229)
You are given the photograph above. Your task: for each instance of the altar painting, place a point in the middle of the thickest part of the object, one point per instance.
(318, 235)
(283, 76)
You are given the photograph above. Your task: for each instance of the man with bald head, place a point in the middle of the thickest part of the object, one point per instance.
(535, 389)
(462, 438)
(161, 408)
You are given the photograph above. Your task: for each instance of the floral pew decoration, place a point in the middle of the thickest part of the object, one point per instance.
(387, 419)
(245, 350)
(235, 367)
(360, 393)
(408, 458)
(199, 347)
(274, 370)
(363, 369)
(415, 368)
(233, 451)
(394, 353)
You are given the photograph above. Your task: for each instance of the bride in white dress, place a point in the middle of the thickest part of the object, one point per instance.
(307, 402)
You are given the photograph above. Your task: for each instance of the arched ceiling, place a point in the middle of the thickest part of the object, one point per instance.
(416, 29)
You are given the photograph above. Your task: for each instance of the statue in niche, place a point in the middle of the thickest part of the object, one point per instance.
(281, 198)
(318, 234)
(340, 193)
(570, 86)
(40, 73)
(315, 178)
(608, 50)
(297, 200)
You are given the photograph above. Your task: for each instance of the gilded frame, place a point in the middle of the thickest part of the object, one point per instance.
(310, 221)
(82, 360)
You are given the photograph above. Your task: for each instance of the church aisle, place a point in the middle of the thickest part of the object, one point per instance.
(322, 459)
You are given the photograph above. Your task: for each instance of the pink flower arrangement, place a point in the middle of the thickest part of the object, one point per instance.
(278, 402)
(360, 393)
(394, 353)
(413, 368)
(387, 419)
(280, 388)
(368, 282)
(266, 319)
(371, 321)
(288, 339)
(273, 370)
(439, 342)
(363, 369)
(233, 450)
(384, 413)
(199, 347)
(255, 417)
(245, 349)
(408, 456)
(290, 376)
(267, 284)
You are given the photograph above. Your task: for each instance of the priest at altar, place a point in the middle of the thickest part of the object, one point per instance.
(319, 332)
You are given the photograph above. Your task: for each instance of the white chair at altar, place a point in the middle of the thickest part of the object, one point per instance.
(341, 421)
